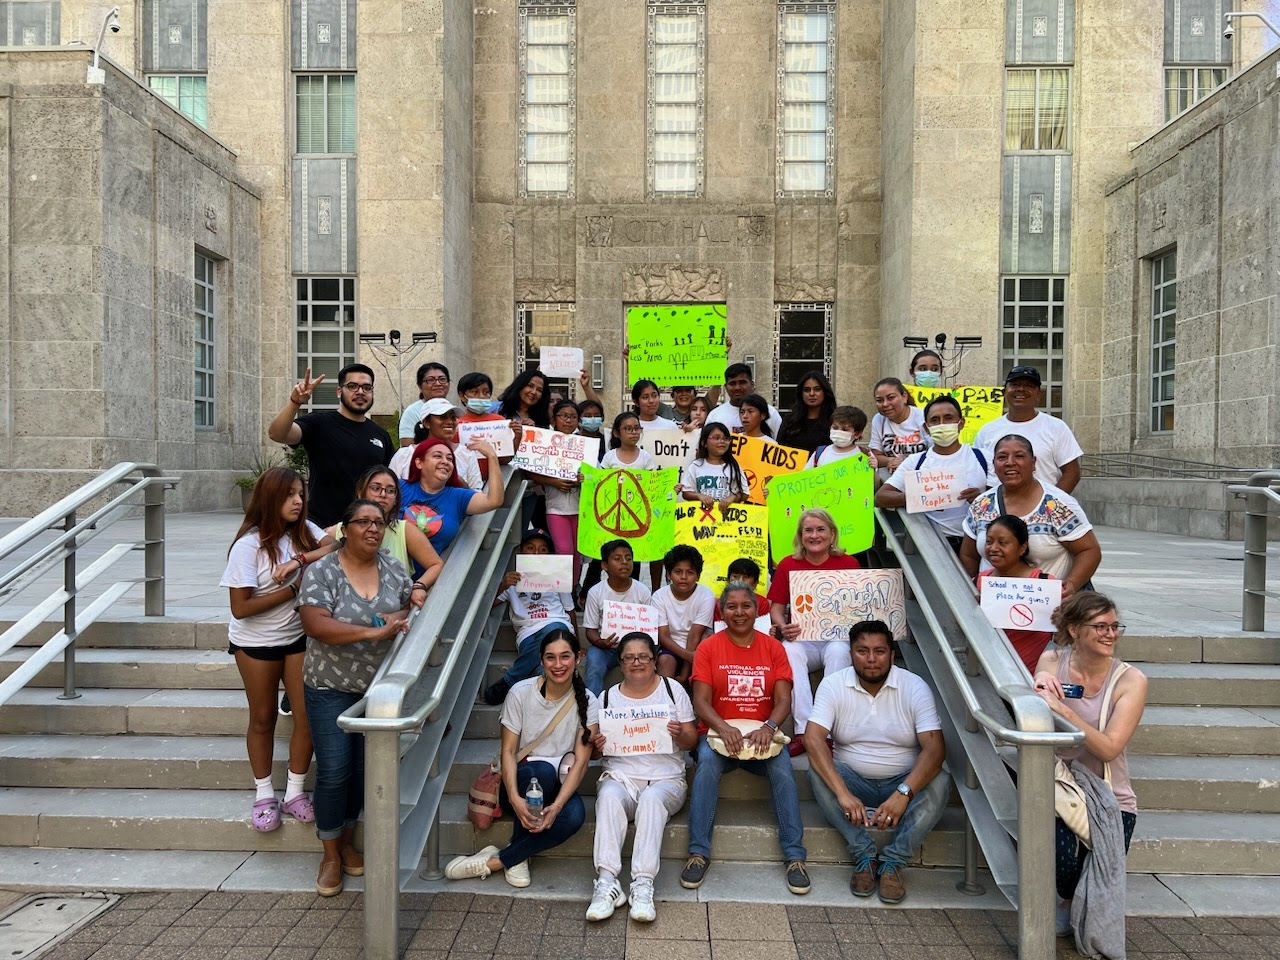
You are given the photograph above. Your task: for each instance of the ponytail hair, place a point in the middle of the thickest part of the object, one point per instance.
(579, 687)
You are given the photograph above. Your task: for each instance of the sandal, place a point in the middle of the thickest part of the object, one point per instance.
(300, 809)
(266, 815)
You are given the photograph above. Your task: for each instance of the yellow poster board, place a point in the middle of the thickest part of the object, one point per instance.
(761, 461)
(978, 405)
(742, 531)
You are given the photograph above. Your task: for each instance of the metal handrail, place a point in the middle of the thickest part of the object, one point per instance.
(144, 478)
(1128, 465)
(1259, 493)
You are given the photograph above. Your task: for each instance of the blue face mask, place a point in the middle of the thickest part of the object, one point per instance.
(928, 378)
(592, 424)
(478, 405)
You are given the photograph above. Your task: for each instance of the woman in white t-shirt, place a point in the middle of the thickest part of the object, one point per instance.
(897, 429)
(274, 543)
(647, 788)
(648, 400)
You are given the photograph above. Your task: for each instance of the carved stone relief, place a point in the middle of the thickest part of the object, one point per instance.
(545, 290)
(672, 282)
(803, 290)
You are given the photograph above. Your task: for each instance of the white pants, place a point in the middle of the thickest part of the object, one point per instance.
(615, 807)
(806, 655)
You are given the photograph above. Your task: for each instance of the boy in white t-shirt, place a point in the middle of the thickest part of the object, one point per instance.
(617, 586)
(532, 616)
(847, 425)
(689, 608)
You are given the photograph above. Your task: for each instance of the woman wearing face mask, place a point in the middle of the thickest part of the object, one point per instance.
(926, 369)
(897, 429)
(807, 424)
(847, 424)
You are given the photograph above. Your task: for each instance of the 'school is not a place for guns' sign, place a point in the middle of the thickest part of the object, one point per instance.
(978, 405)
(637, 506)
(927, 490)
(826, 603)
(550, 453)
(761, 461)
(842, 488)
(1014, 603)
(669, 448)
(676, 344)
(629, 731)
(742, 531)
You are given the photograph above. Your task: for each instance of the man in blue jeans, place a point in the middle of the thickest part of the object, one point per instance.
(887, 770)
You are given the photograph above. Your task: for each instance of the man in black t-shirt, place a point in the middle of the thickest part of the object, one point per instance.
(341, 444)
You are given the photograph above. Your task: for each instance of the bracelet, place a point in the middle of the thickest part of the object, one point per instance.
(301, 559)
(294, 588)
(416, 585)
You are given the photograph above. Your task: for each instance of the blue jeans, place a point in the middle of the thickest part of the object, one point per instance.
(339, 792)
(569, 821)
(528, 661)
(920, 817)
(599, 663)
(706, 794)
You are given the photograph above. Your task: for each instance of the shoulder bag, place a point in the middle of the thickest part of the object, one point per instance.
(1068, 796)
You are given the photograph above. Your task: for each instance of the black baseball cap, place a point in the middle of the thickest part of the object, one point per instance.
(542, 535)
(1024, 373)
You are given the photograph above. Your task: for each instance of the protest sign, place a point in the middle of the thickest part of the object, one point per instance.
(496, 433)
(761, 461)
(669, 448)
(826, 603)
(1012, 603)
(636, 506)
(629, 731)
(550, 453)
(842, 488)
(742, 531)
(978, 405)
(560, 362)
(932, 489)
(621, 618)
(544, 573)
(676, 344)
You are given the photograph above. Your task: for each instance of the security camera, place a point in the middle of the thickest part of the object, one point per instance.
(1228, 31)
(395, 337)
(115, 27)
(940, 340)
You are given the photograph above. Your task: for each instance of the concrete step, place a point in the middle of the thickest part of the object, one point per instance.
(1213, 684)
(1219, 784)
(1178, 731)
(1242, 844)
(172, 633)
(158, 669)
(1188, 648)
(119, 710)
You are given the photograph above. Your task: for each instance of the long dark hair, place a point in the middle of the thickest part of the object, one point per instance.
(761, 406)
(509, 399)
(794, 421)
(362, 487)
(638, 388)
(1017, 528)
(274, 486)
(615, 435)
(735, 472)
(579, 688)
(920, 355)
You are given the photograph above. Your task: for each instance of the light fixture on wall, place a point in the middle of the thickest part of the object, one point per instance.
(597, 371)
(111, 21)
(952, 357)
(1229, 29)
(392, 347)
(750, 361)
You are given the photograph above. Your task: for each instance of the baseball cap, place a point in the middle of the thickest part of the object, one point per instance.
(1024, 373)
(542, 535)
(439, 407)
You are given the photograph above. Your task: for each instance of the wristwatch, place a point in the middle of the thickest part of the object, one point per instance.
(906, 791)
(771, 725)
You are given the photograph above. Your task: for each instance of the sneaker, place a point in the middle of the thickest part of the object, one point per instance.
(495, 693)
(517, 876)
(695, 871)
(642, 909)
(863, 881)
(476, 865)
(798, 878)
(892, 889)
(1062, 918)
(286, 709)
(608, 896)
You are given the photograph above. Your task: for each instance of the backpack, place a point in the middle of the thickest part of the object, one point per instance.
(982, 461)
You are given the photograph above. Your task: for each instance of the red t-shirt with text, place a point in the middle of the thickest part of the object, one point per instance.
(741, 678)
(780, 582)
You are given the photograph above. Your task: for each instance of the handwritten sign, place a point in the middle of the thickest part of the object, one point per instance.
(826, 603)
(761, 461)
(1012, 603)
(677, 344)
(636, 506)
(978, 405)
(560, 361)
(544, 573)
(496, 433)
(629, 731)
(550, 453)
(842, 488)
(620, 618)
(932, 490)
(742, 531)
(669, 448)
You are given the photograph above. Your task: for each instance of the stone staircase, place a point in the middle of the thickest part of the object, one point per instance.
(151, 757)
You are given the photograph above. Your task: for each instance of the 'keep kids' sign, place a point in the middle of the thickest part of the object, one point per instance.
(740, 531)
(676, 344)
(978, 405)
(761, 461)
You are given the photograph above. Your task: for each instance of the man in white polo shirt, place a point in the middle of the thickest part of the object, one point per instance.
(887, 770)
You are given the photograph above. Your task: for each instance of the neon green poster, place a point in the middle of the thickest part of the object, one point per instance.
(843, 489)
(675, 344)
(634, 505)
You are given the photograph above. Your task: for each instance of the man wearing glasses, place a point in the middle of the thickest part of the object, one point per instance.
(433, 383)
(341, 444)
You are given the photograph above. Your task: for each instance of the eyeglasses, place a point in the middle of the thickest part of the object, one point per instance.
(373, 488)
(436, 380)
(636, 658)
(364, 523)
(358, 387)
(1116, 628)
(566, 415)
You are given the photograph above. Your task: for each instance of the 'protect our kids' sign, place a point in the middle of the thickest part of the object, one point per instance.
(761, 461)
(741, 531)
(676, 344)
(637, 506)
(842, 488)
(978, 405)
(629, 731)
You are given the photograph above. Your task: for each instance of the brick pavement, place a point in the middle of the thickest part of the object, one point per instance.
(462, 926)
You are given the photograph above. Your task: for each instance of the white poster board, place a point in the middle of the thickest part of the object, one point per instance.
(496, 433)
(550, 453)
(544, 573)
(928, 490)
(620, 618)
(826, 603)
(1014, 603)
(669, 448)
(632, 731)
(560, 362)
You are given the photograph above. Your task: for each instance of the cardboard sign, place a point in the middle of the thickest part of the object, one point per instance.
(669, 448)
(761, 461)
(544, 573)
(742, 531)
(842, 488)
(638, 506)
(620, 618)
(496, 433)
(1012, 603)
(631, 731)
(677, 344)
(550, 453)
(932, 490)
(826, 603)
(560, 362)
(978, 405)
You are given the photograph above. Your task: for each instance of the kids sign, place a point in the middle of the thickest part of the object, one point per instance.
(550, 453)
(676, 344)
(629, 731)
(1012, 603)
(741, 531)
(978, 405)
(931, 490)
(842, 488)
(761, 461)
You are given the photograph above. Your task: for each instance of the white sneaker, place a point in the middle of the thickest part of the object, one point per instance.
(607, 897)
(1062, 918)
(517, 876)
(642, 901)
(476, 865)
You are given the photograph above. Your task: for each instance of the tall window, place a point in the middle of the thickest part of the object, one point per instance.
(326, 113)
(677, 76)
(802, 342)
(1033, 330)
(1197, 57)
(541, 325)
(548, 52)
(1164, 323)
(806, 99)
(1184, 87)
(188, 94)
(204, 352)
(1036, 108)
(325, 330)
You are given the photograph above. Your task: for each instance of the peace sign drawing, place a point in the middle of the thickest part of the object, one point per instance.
(621, 507)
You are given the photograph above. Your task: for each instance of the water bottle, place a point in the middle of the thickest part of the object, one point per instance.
(533, 798)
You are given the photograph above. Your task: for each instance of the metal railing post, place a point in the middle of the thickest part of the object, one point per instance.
(1256, 510)
(69, 614)
(382, 846)
(153, 557)
(1037, 893)
(431, 854)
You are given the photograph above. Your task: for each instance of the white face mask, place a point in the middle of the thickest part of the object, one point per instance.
(945, 434)
(841, 438)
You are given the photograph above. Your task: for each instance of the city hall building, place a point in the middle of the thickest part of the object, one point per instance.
(242, 189)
